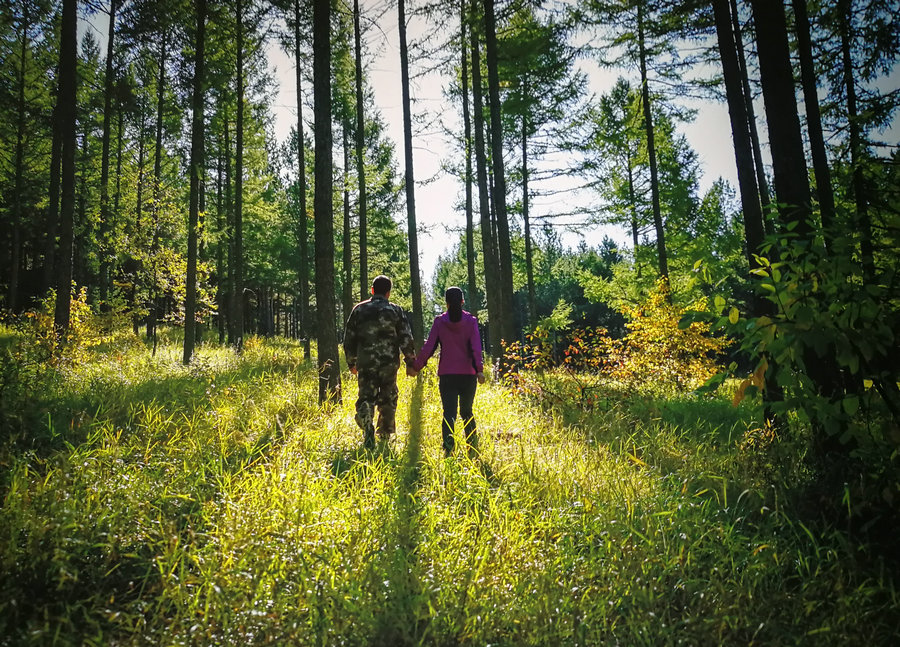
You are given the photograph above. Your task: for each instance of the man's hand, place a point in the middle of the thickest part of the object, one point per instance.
(480, 377)
(411, 372)
(353, 370)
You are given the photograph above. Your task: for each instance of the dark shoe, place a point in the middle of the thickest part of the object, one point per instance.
(369, 442)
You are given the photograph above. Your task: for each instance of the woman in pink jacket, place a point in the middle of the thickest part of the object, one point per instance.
(460, 368)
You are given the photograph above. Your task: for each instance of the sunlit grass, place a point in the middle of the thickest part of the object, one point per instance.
(219, 504)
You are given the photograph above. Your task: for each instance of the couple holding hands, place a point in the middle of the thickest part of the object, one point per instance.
(378, 332)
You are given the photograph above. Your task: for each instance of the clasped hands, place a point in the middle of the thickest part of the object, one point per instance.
(411, 372)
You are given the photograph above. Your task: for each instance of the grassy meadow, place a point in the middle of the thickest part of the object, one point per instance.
(149, 503)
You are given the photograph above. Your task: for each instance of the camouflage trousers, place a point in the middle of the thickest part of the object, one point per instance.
(377, 389)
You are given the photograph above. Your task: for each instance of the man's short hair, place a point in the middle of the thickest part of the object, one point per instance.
(381, 285)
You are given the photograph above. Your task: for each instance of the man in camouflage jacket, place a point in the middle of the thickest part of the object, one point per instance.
(377, 333)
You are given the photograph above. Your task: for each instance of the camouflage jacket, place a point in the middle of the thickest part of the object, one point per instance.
(376, 333)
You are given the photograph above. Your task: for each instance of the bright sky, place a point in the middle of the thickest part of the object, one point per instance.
(437, 200)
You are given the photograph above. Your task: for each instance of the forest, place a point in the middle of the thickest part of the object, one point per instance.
(690, 433)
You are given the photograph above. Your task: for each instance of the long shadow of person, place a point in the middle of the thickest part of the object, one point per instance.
(405, 617)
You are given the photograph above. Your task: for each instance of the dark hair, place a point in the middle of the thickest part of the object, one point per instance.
(381, 285)
(454, 297)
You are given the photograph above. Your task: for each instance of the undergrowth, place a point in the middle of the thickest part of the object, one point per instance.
(145, 502)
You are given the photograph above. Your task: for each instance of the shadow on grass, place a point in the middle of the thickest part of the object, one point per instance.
(405, 618)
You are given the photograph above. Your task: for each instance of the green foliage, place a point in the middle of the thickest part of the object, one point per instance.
(581, 370)
(828, 344)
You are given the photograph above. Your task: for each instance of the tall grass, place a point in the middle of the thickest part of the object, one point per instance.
(149, 503)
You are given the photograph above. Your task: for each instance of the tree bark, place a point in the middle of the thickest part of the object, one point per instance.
(761, 182)
(824, 190)
(474, 304)
(329, 369)
(360, 160)
(415, 284)
(103, 242)
(346, 248)
(863, 220)
(52, 222)
(491, 269)
(301, 179)
(66, 98)
(153, 313)
(788, 159)
(651, 151)
(196, 168)
(15, 260)
(508, 325)
(238, 294)
(529, 260)
(754, 228)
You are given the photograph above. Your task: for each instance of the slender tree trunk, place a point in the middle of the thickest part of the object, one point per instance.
(155, 300)
(53, 207)
(474, 304)
(651, 151)
(66, 98)
(491, 269)
(347, 250)
(415, 284)
(238, 298)
(329, 369)
(301, 179)
(529, 260)
(139, 273)
(761, 182)
(508, 326)
(120, 144)
(15, 257)
(360, 160)
(632, 200)
(824, 191)
(104, 233)
(221, 281)
(863, 220)
(754, 228)
(197, 164)
(231, 309)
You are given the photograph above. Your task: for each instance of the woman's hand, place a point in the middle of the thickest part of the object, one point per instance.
(480, 377)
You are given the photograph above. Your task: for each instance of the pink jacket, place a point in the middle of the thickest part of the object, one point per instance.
(460, 344)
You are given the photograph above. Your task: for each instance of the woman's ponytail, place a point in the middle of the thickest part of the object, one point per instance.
(454, 297)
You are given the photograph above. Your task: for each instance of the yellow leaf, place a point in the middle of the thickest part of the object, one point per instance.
(734, 315)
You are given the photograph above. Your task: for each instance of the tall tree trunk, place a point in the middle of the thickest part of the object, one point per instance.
(329, 369)
(238, 295)
(15, 260)
(301, 179)
(415, 284)
(197, 164)
(789, 165)
(221, 281)
(761, 182)
(230, 309)
(120, 144)
(155, 299)
(52, 222)
(788, 159)
(824, 191)
(105, 231)
(529, 260)
(360, 160)
(474, 304)
(863, 220)
(508, 325)
(491, 269)
(651, 150)
(754, 228)
(346, 248)
(66, 98)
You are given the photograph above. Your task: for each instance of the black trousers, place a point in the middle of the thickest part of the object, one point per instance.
(458, 390)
